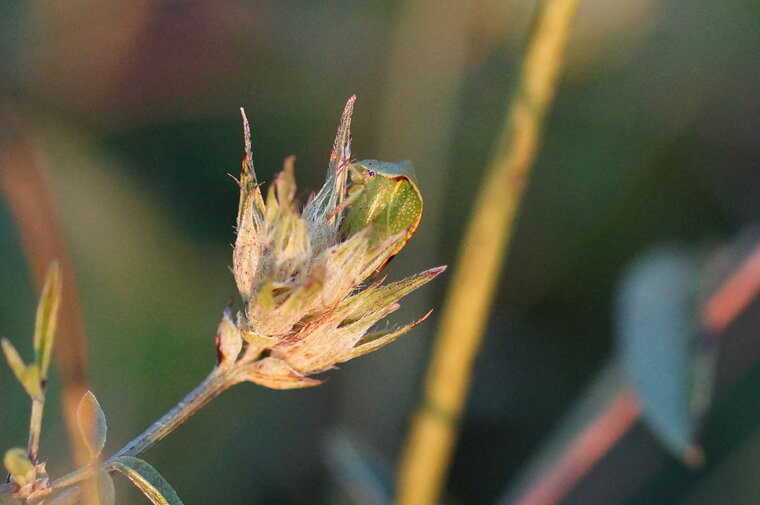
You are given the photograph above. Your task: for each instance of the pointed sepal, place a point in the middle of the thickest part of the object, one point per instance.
(229, 342)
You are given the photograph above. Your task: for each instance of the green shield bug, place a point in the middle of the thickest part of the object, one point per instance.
(383, 195)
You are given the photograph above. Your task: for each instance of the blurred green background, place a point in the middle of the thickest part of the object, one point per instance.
(134, 106)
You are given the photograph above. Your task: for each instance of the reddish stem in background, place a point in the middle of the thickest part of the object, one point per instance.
(735, 294)
(612, 424)
(29, 197)
(585, 451)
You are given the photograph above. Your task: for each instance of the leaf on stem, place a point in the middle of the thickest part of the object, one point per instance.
(28, 376)
(661, 347)
(147, 480)
(17, 464)
(92, 424)
(46, 318)
(67, 496)
(104, 486)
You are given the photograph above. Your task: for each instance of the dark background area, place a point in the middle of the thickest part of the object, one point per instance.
(652, 139)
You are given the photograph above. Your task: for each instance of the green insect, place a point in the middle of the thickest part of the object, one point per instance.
(384, 195)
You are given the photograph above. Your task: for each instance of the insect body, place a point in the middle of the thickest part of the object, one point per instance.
(383, 195)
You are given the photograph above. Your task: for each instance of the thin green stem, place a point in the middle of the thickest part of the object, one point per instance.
(73, 477)
(35, 427)
(216, 382)
(432, 436)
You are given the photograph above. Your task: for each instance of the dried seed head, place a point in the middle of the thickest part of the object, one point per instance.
(299, 272)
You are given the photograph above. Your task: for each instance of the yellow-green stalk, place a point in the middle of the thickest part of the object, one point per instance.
(431, 439)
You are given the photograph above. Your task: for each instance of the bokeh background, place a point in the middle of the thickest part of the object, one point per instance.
(132, 109)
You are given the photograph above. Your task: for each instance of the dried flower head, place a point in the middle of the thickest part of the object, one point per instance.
(302, 272)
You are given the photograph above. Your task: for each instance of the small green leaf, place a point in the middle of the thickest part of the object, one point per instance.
(104, 485)
(14, 360)
(660, 347)
(32, 382)
(92, 424)
(46, 319)
(18, 465)
(28, 376)
(147, 480)
(66, 496)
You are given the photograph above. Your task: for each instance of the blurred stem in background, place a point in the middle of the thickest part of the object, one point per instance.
(417, 117)
(27, 191)
(563, 473)
(427, 455)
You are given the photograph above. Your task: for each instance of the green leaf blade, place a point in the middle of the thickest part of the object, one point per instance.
(92, 424)
(104, 486)
(46, 318)
(67, 496)
(659, 344)
(147, 479)
(14, 360)
(19, 466)
(28, 376)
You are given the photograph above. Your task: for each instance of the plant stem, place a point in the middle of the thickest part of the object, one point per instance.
(431, 439)
(35, 427)
(216, 382)
(734, 295)
(585, 451)
(72, 478)
(563, 472)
